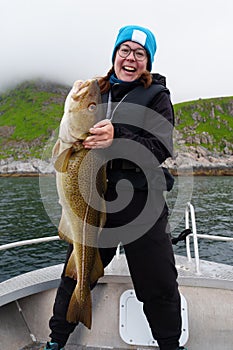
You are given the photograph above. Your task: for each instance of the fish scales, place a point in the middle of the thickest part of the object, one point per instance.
(81, 183)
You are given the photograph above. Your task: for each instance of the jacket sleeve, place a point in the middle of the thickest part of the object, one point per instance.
(157, 135)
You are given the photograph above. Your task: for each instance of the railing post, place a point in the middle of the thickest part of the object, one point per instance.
(190, 210)
(187, 238)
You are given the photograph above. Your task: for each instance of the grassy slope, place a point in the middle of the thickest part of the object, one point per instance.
(31, 112)
(28, 116)
(213, 117)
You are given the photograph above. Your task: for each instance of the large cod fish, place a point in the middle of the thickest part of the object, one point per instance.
(81, 189)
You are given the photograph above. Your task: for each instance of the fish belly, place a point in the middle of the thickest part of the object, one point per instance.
(80, 225)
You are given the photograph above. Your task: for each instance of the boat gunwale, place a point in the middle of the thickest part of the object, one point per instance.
(47, 278)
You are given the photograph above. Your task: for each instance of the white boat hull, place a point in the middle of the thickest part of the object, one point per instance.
(209, 300)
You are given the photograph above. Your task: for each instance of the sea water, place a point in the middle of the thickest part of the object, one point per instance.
(29, 209)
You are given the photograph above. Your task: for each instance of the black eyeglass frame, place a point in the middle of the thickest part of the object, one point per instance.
(134, 51)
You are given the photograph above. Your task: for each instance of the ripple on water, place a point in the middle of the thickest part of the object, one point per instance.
(23, 216)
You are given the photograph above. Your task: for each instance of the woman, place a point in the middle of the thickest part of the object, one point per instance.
(149, 252)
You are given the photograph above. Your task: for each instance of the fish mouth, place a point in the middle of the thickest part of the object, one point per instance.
(129, 69)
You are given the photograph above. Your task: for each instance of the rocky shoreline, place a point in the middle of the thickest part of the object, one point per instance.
(31, 167)
(199, 161)
(195, 161)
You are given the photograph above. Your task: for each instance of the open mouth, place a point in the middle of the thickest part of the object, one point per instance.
(129, 69)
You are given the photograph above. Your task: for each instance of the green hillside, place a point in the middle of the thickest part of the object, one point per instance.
(207, 122)
(31, 112)
(28, 116)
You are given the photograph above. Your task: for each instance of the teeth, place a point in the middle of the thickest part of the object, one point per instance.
(131, 69)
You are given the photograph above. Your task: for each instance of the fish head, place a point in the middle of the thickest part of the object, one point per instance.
(84, 109)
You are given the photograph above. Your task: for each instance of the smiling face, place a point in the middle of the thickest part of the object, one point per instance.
(129, 69)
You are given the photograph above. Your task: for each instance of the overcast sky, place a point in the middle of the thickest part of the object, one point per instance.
(66, 40)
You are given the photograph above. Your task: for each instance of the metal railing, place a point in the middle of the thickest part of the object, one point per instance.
(28, 242)
(189, 216)
(190, 213)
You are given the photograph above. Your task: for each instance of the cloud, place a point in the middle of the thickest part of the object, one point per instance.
(65, 40)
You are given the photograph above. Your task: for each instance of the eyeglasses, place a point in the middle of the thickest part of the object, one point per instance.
(139, 54)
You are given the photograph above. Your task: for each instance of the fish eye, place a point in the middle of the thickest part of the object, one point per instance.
(92, 107)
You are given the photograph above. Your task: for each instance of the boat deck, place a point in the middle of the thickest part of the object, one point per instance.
(28, 299)
(211, 274)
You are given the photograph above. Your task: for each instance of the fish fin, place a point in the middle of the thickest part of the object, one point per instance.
(62, 160)
(62, 229)
(71, 270)
(64, 237)
(80, 313)
(98, 269)
(56, 148)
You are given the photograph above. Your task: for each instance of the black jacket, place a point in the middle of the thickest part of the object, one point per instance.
(145, 116)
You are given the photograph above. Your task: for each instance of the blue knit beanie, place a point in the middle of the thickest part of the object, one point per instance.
(140, 35)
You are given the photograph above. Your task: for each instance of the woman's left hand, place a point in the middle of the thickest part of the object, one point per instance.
(102, 135)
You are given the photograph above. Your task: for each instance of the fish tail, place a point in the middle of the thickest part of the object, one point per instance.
(80, 312)
(71, 270)
(86, 312)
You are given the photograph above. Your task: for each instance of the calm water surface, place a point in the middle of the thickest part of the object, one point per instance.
(29, 209)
